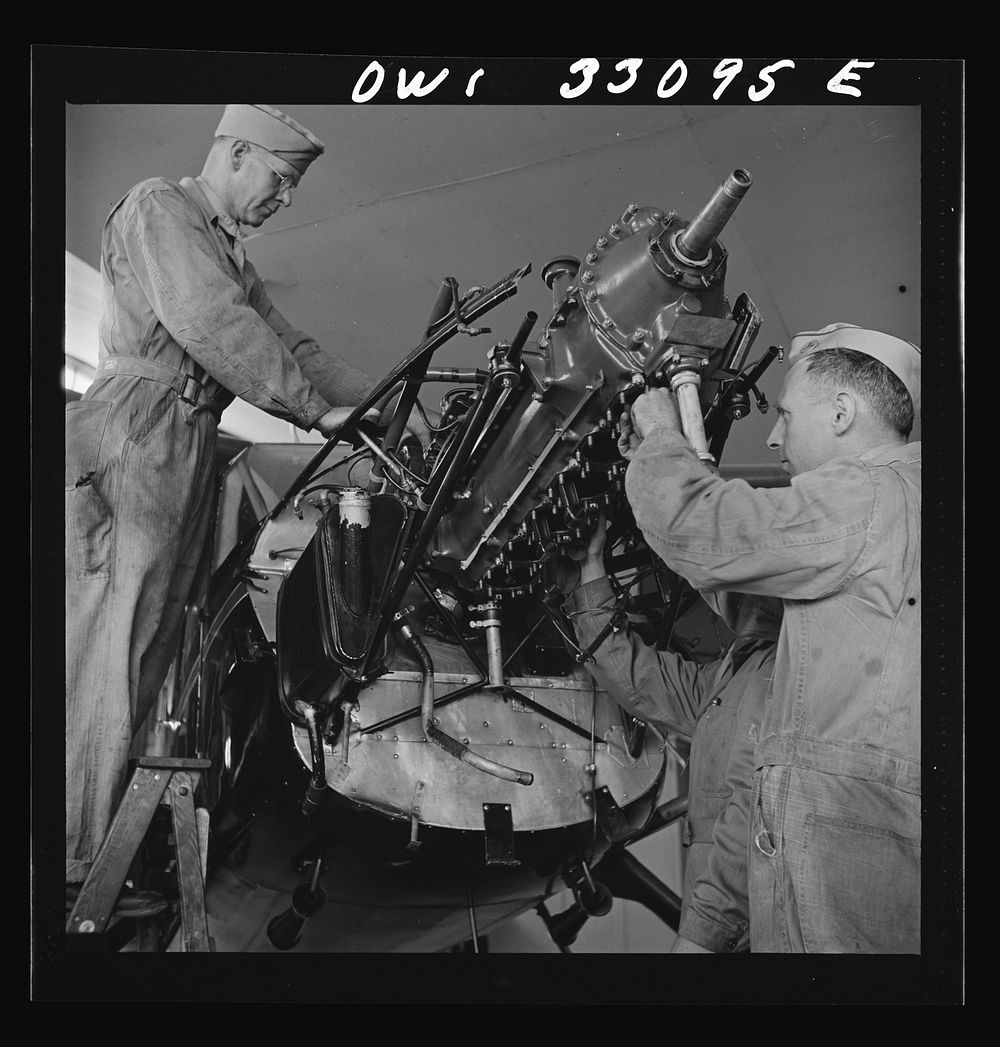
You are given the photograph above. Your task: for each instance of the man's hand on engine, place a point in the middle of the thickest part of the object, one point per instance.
(417, 427)
(655, 409)
(583, 561)
(592, 565)
(328, 423)
(628, 440)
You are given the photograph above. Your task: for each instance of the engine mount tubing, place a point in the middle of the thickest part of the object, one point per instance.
(381, 458)
(694, 243)
(438, 505)
(438, 493)
(437, 736)
(440, 479)
(439, 703)
(458, 375)
(441, 307)
(479, 684)
(416, 361)
(685, 385)
(626, 877)
(404, 405)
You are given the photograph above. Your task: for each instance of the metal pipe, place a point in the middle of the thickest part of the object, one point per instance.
(514, 352)
(380, 456)
(494, 646)
(316, 789)
(685, 386)
(401, 413)
(437, 498)
(436, 495)
(433, 733)
(414, 365)
(441, 307)
(466, 375)
(446, 476)
(694, 243)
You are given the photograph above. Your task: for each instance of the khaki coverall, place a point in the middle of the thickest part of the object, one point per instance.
(718, 705)
(835, 836)
(186, 327)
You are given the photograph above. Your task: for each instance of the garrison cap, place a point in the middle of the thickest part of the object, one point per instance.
(902, 358)
(272, 130)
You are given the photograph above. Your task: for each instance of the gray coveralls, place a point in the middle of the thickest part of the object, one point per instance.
(186, 326)
(718, 705)
(836, 815)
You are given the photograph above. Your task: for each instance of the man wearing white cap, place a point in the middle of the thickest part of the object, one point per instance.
(835, 822)
(187, 327)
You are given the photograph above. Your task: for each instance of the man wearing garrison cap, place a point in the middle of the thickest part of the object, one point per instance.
(187, 327)
(834, 812)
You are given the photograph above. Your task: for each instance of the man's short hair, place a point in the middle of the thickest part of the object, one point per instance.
(884, 393)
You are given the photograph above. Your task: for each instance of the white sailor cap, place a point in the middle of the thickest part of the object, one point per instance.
(902, 358)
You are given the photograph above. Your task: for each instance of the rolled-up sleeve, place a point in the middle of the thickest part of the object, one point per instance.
(207, 312)
(798, 542)
(658, 686)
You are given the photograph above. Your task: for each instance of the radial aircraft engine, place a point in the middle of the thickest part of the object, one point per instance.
(405, 740)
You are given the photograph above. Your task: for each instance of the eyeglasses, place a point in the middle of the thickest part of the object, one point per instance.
(286, 183)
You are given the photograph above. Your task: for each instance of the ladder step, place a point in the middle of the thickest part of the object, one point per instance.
(153, 776)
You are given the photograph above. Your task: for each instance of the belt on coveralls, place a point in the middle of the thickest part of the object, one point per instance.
(186, 386)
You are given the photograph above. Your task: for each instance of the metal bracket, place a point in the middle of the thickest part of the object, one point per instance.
(612, 821)
(415, 817)
(499, 825)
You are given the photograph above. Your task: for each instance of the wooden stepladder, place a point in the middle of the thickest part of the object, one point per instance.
(156, 779)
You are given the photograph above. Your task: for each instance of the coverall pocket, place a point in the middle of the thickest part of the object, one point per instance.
(711, 747)
(858, 887)
(88, 516)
